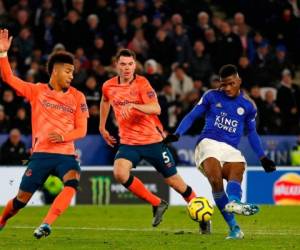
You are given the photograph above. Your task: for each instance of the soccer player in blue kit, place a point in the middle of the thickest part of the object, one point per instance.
(227, 111)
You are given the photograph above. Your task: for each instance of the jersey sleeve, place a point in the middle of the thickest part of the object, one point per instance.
(204, 100)
(104, 92)
(81, 116)
(147, 93)
(253, 137)
(23, 88)
(82, 108)
(250, 119)
(197, 111)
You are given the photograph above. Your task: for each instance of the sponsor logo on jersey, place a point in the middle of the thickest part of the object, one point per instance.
(61, 107)
(225, 123)
(123, 103)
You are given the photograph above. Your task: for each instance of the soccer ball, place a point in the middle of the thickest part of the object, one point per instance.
(200, 209)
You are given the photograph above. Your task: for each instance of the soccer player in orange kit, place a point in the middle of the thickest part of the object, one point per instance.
(59, 116)
(135, 105)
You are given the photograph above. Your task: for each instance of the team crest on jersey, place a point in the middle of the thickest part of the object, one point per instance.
(219, 105)
(28, 172)
(133, 92)
(240, 111)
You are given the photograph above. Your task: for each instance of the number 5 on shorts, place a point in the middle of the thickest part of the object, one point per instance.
(166, 157)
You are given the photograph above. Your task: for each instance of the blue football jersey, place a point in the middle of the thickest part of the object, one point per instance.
(226, 119)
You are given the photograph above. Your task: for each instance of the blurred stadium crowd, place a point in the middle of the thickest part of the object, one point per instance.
(180, 46)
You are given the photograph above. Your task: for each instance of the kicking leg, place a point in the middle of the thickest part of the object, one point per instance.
(60, 203)
(233, 172)
(13, 206)
(213, 170)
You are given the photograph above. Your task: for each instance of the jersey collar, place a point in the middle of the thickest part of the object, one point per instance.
(134, 77)
(50, 87)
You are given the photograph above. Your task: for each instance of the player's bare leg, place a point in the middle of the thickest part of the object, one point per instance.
(13, 206)
(177, 183)
(122, 168)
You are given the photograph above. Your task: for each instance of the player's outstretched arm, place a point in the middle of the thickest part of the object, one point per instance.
(185, 124)
(189, 119)
(104, 111)
(5, 42)
(202, 106)
(22, 87)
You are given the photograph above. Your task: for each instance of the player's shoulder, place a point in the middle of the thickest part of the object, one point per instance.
(141, 79)
(211, 93)
(112, 81)
(248, 101)
(40, 87)
(76, 93)
(209, 96)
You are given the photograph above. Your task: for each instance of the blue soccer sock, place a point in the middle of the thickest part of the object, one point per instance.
(234, 190)
(221, 200)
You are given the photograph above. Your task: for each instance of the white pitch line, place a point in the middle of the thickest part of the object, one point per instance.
(179, 230)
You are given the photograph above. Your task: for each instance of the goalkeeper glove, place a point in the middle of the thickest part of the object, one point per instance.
(268, 165)
(171, 138)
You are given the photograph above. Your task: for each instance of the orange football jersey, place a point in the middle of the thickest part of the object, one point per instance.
(140, 128)
(52, 111)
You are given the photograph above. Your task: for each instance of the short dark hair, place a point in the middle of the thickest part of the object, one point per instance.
(126, 53)
(228, 70)
(59, 57)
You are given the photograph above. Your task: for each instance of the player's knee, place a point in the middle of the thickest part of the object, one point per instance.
(17, 204)
(120, 176)
(74, 183)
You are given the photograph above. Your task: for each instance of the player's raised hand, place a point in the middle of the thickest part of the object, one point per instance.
(268, 165)
(110, 140)
(55, 137)
(5, 41)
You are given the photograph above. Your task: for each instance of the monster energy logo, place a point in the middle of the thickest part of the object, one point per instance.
(100, 189)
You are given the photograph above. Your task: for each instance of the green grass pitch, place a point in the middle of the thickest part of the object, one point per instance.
(129, 227)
